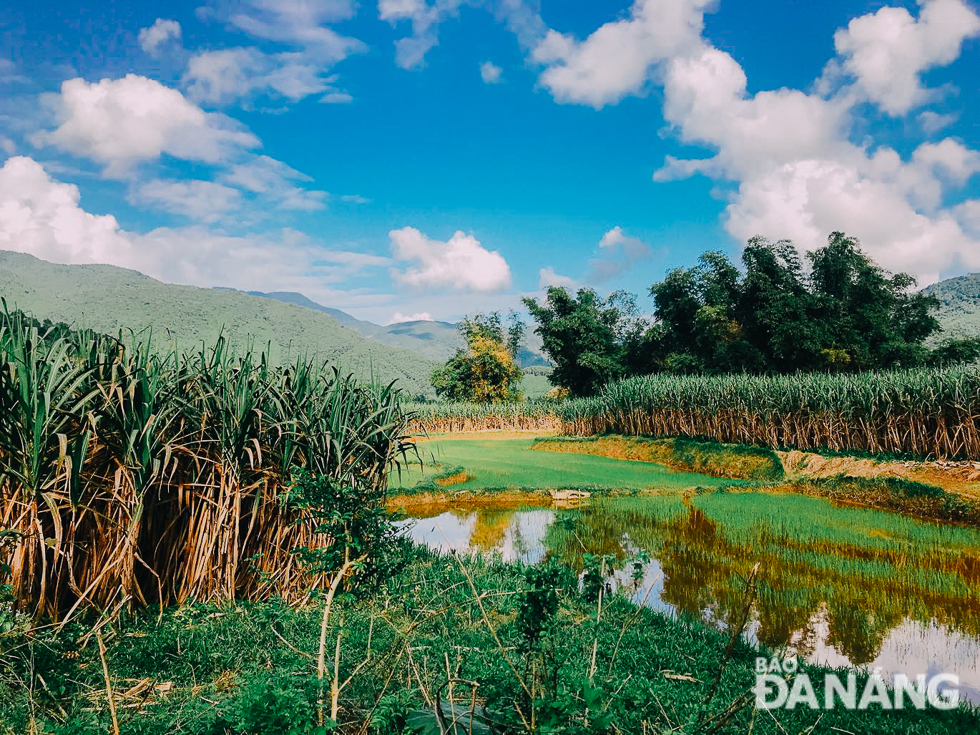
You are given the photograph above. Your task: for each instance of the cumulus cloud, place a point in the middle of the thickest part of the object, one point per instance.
(968, 216)
(275, 181)
(805, 200)
(227, 75)
(619, 58)
(618, 252)
(121, 122)
(158, 35)
(490, 72)
(205, 201)
(705, 98)
(548, 277)
(43, 217)
(420, 316)
(800, 177)
(460, 264)
(887, 52)
(948, 158)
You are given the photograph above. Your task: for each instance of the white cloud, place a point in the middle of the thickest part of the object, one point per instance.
(227, 75)
(42, 217)
(619, 58)
(354, 199)
(948, 158)
(887, 52)
(461, 264)
(968, 215)
(7, 145)
(806, 200)
(490, 72)
(303, 23)
(618, 252)
(520, 16)
(337, 98)
(799, 175)
(523, 18)
(275, 181)
(161, 33)
(205, 201)
(410, 51)
(120, 122)
(548, 277)
(705, 98)
(932, 122)
(399, 318)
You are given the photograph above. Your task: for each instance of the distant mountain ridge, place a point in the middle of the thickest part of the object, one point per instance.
(434, 339)
(109, 299)
(959, 310)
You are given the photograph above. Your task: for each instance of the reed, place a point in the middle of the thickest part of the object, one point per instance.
(132, 476)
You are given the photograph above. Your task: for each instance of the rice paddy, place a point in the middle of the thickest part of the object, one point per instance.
(488, 464)
(838, 586)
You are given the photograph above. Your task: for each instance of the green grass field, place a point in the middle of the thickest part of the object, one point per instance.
(512, 463)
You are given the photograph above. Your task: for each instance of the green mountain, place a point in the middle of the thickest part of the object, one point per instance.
(109, 299)
(959, 312)
(438, 340)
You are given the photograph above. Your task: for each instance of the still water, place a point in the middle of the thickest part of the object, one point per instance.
(837, 586)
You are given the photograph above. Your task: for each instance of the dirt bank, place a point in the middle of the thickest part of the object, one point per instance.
(962, 478)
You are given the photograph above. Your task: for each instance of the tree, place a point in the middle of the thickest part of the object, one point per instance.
(487, 370)
(589, 339)
(847, 313)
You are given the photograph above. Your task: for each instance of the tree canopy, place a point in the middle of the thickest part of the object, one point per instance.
(843, 312)
(487, 370)
(590, 340)
(833, 310)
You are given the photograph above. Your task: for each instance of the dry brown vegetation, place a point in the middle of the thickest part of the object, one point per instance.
(129, 477)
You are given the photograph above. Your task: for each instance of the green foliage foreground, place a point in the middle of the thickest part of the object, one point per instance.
(525, 640)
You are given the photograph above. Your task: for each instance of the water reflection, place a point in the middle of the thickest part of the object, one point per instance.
(840, 587)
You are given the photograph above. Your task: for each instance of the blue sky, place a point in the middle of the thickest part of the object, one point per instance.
(402, 157)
